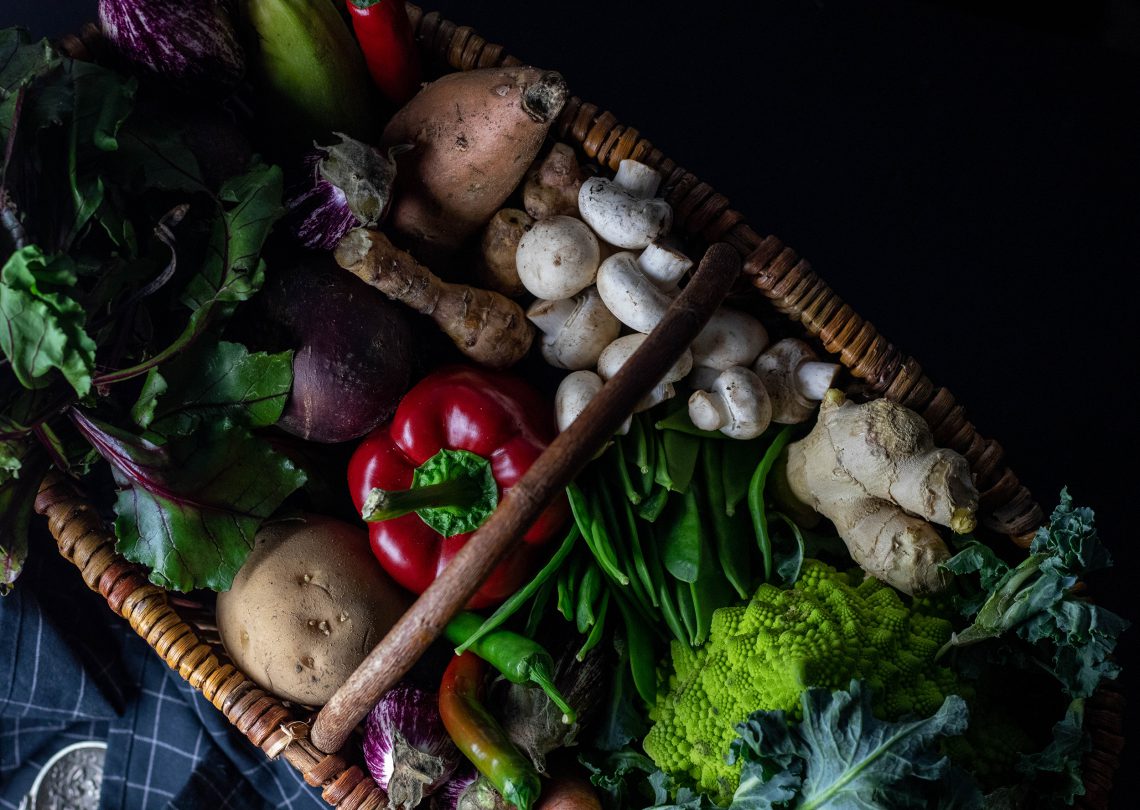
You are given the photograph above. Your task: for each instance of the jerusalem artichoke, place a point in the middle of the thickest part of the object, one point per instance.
(873, 470)
(488, 327)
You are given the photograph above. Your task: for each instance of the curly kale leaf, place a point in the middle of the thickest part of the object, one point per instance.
(1072, 638)
(841, 755)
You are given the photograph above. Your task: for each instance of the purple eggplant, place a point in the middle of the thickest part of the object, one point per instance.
(347, 185)
(191, 43)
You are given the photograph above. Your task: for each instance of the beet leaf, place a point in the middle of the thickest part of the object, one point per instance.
(189, 508)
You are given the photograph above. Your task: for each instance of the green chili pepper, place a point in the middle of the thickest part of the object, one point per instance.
(519, 598)
(480, 737)
(740, 460)
(756, 498)
(516, 657)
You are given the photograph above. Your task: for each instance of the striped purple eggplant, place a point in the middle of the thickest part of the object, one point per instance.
(189, 42)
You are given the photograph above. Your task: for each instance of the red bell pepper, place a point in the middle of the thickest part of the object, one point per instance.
(460, 439)
(385, 36)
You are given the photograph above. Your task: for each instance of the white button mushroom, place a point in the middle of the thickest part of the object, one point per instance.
(737, 405)
(575, 330)
(630, 294)
(731, 338)
(574, 394)
(615, 355)
(557, 258)
(795, 379)
(623, 211)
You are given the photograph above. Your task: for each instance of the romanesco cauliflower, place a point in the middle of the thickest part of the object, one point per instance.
(828, 629)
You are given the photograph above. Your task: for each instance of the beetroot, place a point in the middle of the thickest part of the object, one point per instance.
(352, 359)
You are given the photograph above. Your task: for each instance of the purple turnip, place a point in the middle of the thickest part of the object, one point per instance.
(189, 42)
(352, 349)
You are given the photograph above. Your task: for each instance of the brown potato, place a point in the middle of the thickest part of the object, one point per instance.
(307, 607)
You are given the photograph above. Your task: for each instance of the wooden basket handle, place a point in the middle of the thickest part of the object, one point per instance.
(547, 477)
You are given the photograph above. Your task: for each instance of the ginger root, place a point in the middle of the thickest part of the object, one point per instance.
(488, 327)
(873, 470)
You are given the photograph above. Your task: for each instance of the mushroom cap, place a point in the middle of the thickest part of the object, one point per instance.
(631, 295)
(557, 258)
(731, 338)
(575, 329)
(614, 356)
(620, 218)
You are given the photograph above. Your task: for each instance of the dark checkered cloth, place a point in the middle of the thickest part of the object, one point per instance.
(71, 670)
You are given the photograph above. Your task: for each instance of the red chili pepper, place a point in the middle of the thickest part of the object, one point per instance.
(460, 439)
(385, 36)
(480, 737)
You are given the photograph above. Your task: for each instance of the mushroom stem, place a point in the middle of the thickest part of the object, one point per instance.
(664, 265)
(630, 294)
(737, 405)
(637, 178)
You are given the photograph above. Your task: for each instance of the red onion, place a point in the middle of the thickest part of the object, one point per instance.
(349, 185)
(191, 42)
(406, 747)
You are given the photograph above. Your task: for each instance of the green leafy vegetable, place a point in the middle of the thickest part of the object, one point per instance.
(19, 480)
(189, 508)
(221, 380)
(1035, 601)
(42, 326)
(841, 755)
(1063, 756)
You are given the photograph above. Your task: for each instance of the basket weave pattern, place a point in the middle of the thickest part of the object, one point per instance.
(773, 270)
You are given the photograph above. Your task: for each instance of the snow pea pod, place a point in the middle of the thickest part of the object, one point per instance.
(732, 551)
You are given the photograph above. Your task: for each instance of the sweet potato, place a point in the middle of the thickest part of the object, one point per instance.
(474, 135)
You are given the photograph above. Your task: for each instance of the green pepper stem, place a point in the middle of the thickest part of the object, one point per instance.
(385, 504)
(538, 674)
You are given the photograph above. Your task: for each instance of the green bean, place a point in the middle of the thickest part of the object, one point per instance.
(732, 551)
(671, 613)
(619, 543)
(677, 459)
(622, 467)
(591, 532)
(596, 631)
(654, 505)
(642, 661)
(538, 607)
(640, 564)
(688, 613)
(636, 438)
(710, 590)
(567, 586)
(681, 538)
(589, 593)
(740, 460)
(649, 462)
(519, 598)
(756, 498)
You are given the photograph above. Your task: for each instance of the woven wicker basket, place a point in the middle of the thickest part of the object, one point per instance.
(769, 275)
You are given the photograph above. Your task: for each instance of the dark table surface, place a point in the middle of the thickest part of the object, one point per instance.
(966, 175)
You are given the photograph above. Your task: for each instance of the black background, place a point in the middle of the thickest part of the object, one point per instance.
(966, 175)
